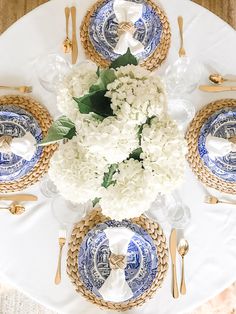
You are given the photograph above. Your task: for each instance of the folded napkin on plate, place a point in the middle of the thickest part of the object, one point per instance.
(21, 146)
(219, 147)
(115, 288)
(127, 13)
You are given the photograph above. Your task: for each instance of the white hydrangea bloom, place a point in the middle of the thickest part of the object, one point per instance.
(164, 150)
(132, 194)
(109, 138)
(136, 95)
(77, 174)
(75, 84)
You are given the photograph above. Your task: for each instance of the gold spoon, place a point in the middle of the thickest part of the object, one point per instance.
(15, 209)
(67, 44)
(182, 52)
(183, 248)
(219, 79)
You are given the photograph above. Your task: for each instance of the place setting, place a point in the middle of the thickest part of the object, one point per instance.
(111, 165)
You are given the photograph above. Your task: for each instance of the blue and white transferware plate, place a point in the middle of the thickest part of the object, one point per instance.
(103, 30)
(15, 122)
(220, 124)
(94, 252)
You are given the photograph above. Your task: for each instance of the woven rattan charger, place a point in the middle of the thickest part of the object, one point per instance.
(152, 62)
(79, 232)
(44, 119)
(193, 157)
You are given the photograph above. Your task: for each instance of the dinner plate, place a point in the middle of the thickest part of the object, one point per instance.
(15, 122)
(103, 29)
(220, 124)
(93, 258)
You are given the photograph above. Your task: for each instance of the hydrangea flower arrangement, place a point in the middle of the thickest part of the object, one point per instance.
(122, 148)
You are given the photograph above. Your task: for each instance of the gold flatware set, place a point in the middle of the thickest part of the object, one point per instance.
(182, 249)
(67, 44)
(15, 208)
(212, 88)
(218, 79)
(71, 45)
(21, 89)
(182, 52)
(214, 200)
(62, 242)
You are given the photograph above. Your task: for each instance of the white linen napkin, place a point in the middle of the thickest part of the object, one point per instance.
(217, 146)
(115, 288)
(22, 146)
(130, 12)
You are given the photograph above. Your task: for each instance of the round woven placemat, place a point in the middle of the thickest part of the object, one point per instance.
(193, 157)
(79, 232)
(44, 119)
(152, 62)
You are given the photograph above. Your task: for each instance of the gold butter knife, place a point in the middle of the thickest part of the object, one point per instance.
(173, 247)
(212, 89)
(74, 39)
(18, 197)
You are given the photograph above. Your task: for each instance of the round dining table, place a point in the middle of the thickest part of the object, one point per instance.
(29, 242)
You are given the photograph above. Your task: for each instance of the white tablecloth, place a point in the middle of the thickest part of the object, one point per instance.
(28, 244)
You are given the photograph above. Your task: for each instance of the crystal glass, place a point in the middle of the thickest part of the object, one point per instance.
(176, 212)
(156, 212)
(68, 213)
(50, 70)
(182, 111)
(48, 188)
(182, 77)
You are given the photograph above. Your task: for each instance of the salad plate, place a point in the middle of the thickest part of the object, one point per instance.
(103, 30)
(221, 123)
(15, 122)
(93, 258)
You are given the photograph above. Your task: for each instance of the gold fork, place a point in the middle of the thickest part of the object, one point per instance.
(67, 43)
(62, 241)
(182, 52)
(22, 89)
(214, 200)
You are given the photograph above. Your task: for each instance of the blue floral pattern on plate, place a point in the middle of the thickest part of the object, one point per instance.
(104, 25)
(15, 122)
(142, 261)
(221, 124)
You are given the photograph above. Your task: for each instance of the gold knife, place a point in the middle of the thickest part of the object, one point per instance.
(212, 89)
(173, 247)
(74, 54)
(18, 197)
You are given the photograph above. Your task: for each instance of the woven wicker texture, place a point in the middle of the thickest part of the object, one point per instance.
(193, 157)
(79, 232)
(152, 62)
(44, 119)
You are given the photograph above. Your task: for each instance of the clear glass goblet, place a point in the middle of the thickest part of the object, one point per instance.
(67, 213)
(48, 188)
(176, 212)
(51, 69)
(182, 111)
(182, 77)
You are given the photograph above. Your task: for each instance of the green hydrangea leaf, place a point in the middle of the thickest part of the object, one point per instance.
(107, 179)
(95, 102)
(124, 60)
(105, 77)
(136, 154)
(59, 130)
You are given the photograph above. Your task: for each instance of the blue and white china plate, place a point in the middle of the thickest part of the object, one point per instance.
(15, 121)
(103, 29)
(94, 252)
(221, 124)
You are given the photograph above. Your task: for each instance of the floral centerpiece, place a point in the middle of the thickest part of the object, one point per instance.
(122, 148)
